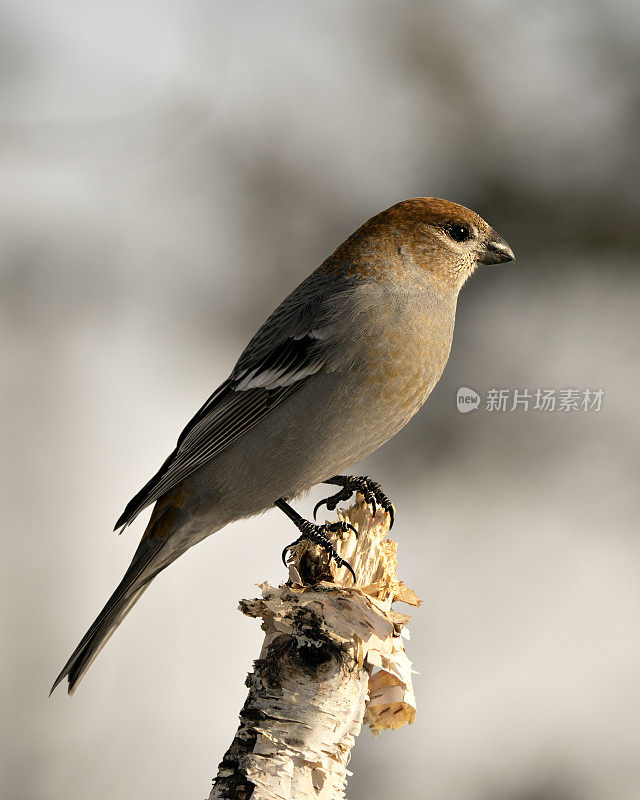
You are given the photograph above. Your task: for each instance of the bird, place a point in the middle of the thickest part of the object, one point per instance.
(341, 365)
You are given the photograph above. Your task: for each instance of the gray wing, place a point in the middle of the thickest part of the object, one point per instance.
(289, 348)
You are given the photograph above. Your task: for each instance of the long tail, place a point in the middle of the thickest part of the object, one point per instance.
(116, 609)
(146, 564)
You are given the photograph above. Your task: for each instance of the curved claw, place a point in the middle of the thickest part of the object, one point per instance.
(350, 568)
(317, 506)
(332, 501)
(349, 525)
(392, 515)
(328, 502)
(286, 550)
(371, 501)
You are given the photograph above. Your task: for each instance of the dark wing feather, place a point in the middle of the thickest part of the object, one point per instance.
(242, 401)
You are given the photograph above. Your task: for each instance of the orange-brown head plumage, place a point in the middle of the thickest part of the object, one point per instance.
(447, 240)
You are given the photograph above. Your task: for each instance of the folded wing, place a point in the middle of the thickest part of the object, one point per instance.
(288, 350)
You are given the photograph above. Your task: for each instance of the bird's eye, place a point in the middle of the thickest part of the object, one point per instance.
(459, 233)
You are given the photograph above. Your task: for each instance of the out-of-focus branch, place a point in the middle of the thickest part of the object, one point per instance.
(333, 657)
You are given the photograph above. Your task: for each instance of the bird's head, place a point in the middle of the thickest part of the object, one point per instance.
(427, 234)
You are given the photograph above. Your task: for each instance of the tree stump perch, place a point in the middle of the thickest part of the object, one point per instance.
(333, 658)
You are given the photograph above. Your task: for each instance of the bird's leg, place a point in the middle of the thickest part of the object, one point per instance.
(317, 534)
(368, 488)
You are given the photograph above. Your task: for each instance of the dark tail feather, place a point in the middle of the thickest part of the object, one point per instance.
(97, 636)
(136, 579)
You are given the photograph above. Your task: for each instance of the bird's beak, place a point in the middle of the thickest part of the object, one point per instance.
(495, 251)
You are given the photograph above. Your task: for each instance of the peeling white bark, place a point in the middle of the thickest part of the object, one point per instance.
(333, 657)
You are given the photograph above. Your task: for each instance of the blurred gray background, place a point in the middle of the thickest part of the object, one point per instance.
(169, 171)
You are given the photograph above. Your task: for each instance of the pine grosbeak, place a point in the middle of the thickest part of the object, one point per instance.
(339, 367)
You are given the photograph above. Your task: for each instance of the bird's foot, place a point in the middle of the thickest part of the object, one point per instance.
(320, 535)
(368, 488)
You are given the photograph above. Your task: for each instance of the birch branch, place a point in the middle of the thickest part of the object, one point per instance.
(333, 658)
